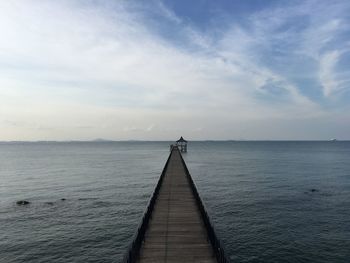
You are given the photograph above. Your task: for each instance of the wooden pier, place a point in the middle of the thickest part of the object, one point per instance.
(175, 227)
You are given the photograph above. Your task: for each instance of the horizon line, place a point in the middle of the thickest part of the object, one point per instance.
(202, 140)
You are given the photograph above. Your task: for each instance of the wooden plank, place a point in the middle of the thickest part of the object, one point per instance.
(176, 232)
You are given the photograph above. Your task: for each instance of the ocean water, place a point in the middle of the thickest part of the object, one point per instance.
(258, 194)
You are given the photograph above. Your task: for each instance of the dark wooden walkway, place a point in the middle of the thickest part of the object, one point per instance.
(175, 227)
(176, 231)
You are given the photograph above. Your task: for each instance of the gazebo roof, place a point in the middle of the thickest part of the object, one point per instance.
(181, 140)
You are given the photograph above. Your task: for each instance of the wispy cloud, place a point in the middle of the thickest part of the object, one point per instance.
(328, 79)
(120, 67)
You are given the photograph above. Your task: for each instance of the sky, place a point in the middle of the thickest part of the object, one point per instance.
(159, 69)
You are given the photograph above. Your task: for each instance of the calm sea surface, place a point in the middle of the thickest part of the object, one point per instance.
(258, 194)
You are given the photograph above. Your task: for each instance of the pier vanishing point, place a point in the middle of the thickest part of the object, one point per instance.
(175, 226)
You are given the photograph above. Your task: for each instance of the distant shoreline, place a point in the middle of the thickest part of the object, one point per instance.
(106, 141)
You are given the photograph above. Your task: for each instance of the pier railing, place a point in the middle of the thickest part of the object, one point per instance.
(134, 248)
(215, 242)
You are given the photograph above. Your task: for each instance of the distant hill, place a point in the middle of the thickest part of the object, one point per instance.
(101, 140)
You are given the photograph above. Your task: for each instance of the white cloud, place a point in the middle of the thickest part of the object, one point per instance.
(68, 64)
(328, 62)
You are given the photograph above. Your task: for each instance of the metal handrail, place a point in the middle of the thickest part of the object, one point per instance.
(134, 247)
(215, 242)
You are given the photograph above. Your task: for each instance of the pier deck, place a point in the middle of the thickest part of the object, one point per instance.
(176, 232)
(175, 227)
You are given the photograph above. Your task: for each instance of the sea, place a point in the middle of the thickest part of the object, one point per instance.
(269, 201)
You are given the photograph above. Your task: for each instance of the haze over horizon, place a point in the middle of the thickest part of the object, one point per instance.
(123, 70)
